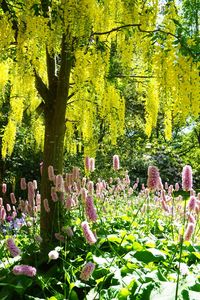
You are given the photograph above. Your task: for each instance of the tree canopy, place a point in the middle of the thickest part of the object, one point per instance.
(150, 43)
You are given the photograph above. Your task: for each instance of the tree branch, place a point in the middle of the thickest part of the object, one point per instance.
(158, 30)
(134, 76)
(178, 37)
(40, 109)
(41, 87)
(115, 29)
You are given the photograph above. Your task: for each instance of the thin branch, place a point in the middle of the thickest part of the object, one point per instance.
(134, 76)
(40, 109)
(115, 29)
(178, 37)
(70, 96)
(158, 30)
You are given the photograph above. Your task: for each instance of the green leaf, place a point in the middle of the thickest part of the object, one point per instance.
(123, 294)
(160, 275)
(73, 295)
(100, 272)
(137, 246)
(197, 254)
(150, 244)
(150, 255)
(190, 295)
(195, 287)
(110, 293)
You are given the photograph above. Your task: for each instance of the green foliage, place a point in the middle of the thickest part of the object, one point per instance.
(136, 255)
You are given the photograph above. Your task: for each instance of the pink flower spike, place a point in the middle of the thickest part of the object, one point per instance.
(2, 214)
(187, 178)
(23, 183)
(8, 207)
(24, 270)
(90, 187)
(12, 197)
(87, 163)
(87, 271)
(192, 203)
(4, 188)
(189, 231)
(13, 249)
(59, 183)
(90, 209)
(92, 164)
(116, 165)
(153, 180)
(176, 187)
(191, 219)
(89, 236)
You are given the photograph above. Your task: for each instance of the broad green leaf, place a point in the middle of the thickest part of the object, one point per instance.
(150, 255)
(195, 287)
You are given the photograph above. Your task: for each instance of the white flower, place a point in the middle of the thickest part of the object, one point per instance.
(53, 254)
(184, 269)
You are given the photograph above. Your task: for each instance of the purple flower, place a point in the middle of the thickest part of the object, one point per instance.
(92, 164)
(153, 181)
(24, 270)
(189, 231)
(4, 188)
(116, 162)
(87, 163)
(23, 183)
(90, 209)
(12, 197)
(187, 178)
(59, 183)
(89, 236)
(192, 203)
(13, 249)
(87, 271)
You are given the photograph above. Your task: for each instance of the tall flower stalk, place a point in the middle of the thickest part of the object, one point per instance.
(187, 186)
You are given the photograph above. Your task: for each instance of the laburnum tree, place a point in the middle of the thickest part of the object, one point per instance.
(56, 55)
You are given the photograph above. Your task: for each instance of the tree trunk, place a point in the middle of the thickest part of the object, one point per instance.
(54, 112)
